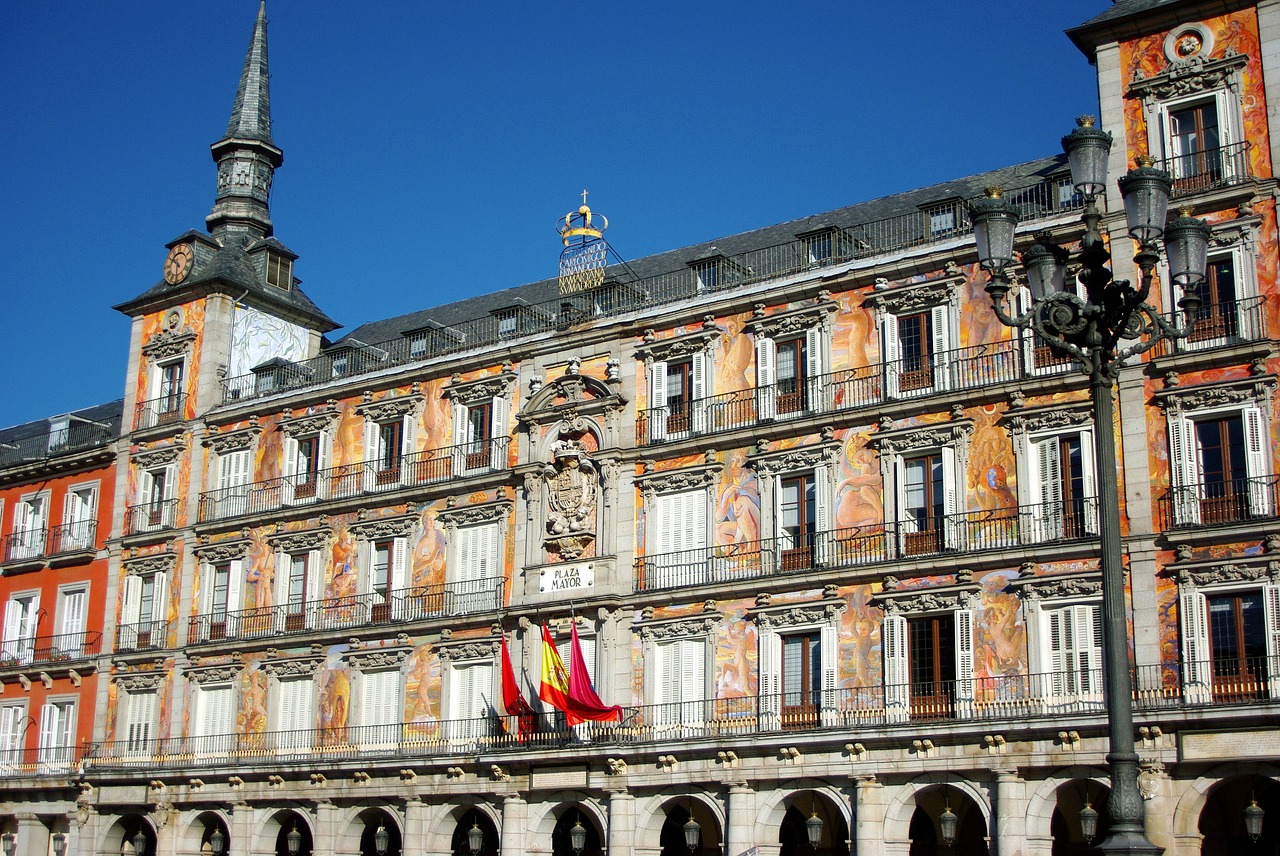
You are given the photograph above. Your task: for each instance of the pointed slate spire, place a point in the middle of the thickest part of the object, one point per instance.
(247, 156)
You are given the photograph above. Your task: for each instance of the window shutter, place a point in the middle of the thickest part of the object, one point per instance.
(1271, 616)
(770, 680)
(822, 514)
(372, 453)
(964, 660)
(699, 390)
(498, 433)
(399, 563)
(906, 524)
(467, 553)
(159, 597)
(940, 327)
(829, 656)
(897, 689)
(132, 600)
(1256, 462)
(1026, 336)
(1182, 465)
(1195, 647)
(1088, 619)
(766, 377)
(73, 619)
(658, 400)
(892, 365)
(956, 530)
(1059, 626)
(1089, 471)
(283, 565)
(235, 600)
(667, 681)
(814, 338)
(146, 488)
(1048, 473)
(324, 458)
(315, 577)
(289, 468)
(141, 718)
(366, 553)
(10, 735)
(49, 726)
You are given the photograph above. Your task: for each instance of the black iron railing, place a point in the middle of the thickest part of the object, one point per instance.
(75, 537)
(1218, 503)
(849, 389)
(151, 517)
(355, 480)
(969, 532)
(1226, 322)
(1209, 169)
(76, 436)
(43, 650)
(165, 410)
(987, 698)
(22, 761)
(142, 635)
(344, 613)
(1034, 201)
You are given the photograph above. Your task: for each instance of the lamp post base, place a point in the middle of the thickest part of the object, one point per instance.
(1127, 841)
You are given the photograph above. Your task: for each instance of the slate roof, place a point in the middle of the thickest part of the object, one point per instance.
(848, 218)
(90, 427)
(1128, 18)
(251, 114)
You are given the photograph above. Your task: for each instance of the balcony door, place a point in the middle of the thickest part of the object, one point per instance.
(1238, 645)
(1196, 143)
(801, 679)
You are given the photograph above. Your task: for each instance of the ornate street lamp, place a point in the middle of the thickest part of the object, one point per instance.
(381, 840)
(813, 829)
(948, 822)
(1090, 330)
(578, 837)
(140, 843)
(217, 842)
(60, 843)
(293, 841)
(8, 842)
(692, 832)
(1253, 820)
(1088, 822)
(475, 838)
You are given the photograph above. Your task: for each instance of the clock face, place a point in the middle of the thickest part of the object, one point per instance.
(178, 264)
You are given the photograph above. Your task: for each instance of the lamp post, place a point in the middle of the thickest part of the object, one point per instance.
(1090, 329)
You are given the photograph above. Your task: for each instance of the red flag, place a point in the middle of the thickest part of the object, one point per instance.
(513, 699)
(587, 705)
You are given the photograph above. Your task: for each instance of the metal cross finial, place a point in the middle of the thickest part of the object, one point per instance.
(584, 196)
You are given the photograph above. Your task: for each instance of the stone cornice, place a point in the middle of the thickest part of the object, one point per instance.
(468, 649)
(915, 297)
(541, 408)
(682, 627)
(1182, 399)
(896, 441)
(158, 457)
(801, 614)
(170, 343)
(158, 563)
(223, 551)
(932, 599)
(387, 409)
(1060, 417)
(790, 321)
(377, 659)
(384, 527)
(232, 440)
(480, 390)
(677, 347)
(312, 423)
(767, 462)
(1059, 586)
(684, 478)
(293, 667)
(468, 515)
(307, 539)
(219, 674)
(1218, 573)
(1189, 76)
(139, 681)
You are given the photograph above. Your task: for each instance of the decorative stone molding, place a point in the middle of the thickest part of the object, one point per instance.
(469, 649)
(296, 542)
(233, 440)
(766, 462)
(670, 481)
(678, 628)
(916, 297)
(1183, 399)
(143, 565)
(1233, 572)
(223, 551)
(1061, 417)
(378, 659)
(616, 766)
(213, 674)
(678, 347)
(169, 344)
(797, 614)
(313, 423)
(384, 527)
(789, 322)
(1058, 587)
(478, 391)
(583, 396)
(469, 515)
(293, 667)
(899, 441)
(938, 599)
(159, 457)
(388, 409)
(1189, 76)
(133, 682)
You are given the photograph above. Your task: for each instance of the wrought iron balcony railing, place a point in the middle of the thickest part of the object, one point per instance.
(76, 436)
(142, 636)
(1217, 325)
(947, 222)
(165, 410)
(345, 613)
(24, 762)
(44, 650)
(1219, 503)
(151, 517)
(1067, 694)
(355, 480)
(970, 532)
(849, 389)
(76, 537)
(1210, 169)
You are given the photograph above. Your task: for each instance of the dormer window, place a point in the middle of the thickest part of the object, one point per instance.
(942, 218)
(825, 245)
(279, 271)
(706, 273)
(508, 320)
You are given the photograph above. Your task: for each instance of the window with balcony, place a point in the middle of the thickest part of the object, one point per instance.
(298, 581)
(678, 389)
(294, 713)
(1061, 500)
(798, 521)
(235, 472)
(926, 502)
(797, 667)
(220, 600)
(475, 568)
(1231, 641)
(1065, 652)
(78, 523)
(138, 723)
(917, 351)
(1230, 310)
(789, 373)
(1219, 461)
(471, 693)
(677, 531)
(386, 443)
(480, 431)
(928, 664)
(801, 678)
(13, 730)
(30, 527)
(168, 393)
(57, 733)
(214, 719)
(73, 601)
(21, 615)
(387, 574)
(381, 708)
(306, 466)
(680, 682)
(157, 506)
(144, 621)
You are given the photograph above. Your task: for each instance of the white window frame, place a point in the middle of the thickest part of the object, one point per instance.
(1185, 478)
(701, 367)
(943, 319)
(1193, 620)
(138, 722)
(159, 513)
(693, 683)
(771, 627)
(21, 622)
(235, 474)
(30, 538)
(381, 719)
(692, 507)
(475, 552)
(376, 478)
(312, 586)
(464, 440)
(896, 647)
(397, 574)
(13, 735)
(1241, 248)
(72, 630)
(1062, 685)
(293, 713)
(1040, 511)
(235, 598)
(133, 623)
(462, 725)
(291, 462)
(1160, 136)
(58, 732)
(155, 387)
(214, 728)
(817, 358)
(953, 484)
(79, 510)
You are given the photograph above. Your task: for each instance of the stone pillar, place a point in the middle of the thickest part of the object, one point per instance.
(413, 836)
(1269, 38)
(33, 835)
(515, 824)
(868, 816)
(241, 831)
(85, 830)
(1011, 814)
(165, 820)
(1138, 503)
(740, 836)
(1159, 804)
(325, 835)
(622, 823)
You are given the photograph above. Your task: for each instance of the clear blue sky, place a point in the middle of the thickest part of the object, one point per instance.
(430, 147)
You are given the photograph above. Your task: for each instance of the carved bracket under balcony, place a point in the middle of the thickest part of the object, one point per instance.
(479, 391)
(1058, 587)
(470, 515)
(670, 481)
(233, 440)
(790, 322)
(392, 407)
(295, 542)
(384, 527)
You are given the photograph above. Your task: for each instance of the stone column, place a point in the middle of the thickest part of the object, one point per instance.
(622, 823)
(740, 836)
(241, 829)
(1269, 38)
(325, 835)
(414, 834)
(868, 816)
(1011, 814)
(1140, 510)
(165, 820)
(515, 824)
(33, 835)
(84, 832)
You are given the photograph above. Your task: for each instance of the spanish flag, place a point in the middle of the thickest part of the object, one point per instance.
(572, 694)
(554, 689)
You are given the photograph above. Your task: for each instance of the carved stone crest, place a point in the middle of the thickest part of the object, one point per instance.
(571, 487)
